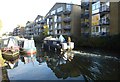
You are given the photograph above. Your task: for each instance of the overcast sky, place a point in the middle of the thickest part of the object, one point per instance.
(14, 12)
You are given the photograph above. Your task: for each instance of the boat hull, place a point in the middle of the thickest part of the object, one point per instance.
(10, 56)
(28, 52)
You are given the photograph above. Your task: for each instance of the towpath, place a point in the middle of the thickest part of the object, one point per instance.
(0, 68)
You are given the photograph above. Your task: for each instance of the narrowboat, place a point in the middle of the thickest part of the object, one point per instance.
(9, 47)
(57, 44)
(28, 47)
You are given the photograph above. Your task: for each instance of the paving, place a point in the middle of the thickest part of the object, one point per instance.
(0, 68)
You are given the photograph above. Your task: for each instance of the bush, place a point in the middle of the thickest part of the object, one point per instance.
(108, 42)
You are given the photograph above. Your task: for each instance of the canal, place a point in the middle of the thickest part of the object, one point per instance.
(75, 65)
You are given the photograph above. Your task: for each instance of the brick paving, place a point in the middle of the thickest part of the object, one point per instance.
(0, 69)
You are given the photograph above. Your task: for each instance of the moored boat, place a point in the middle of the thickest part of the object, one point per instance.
(28, 47)
(57, 44)
(9, 48)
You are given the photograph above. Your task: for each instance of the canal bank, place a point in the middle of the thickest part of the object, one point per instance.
(3, 71)
(0, 67)
(99, 43)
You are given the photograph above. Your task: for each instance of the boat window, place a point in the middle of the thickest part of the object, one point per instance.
(5, 42)
(12, 42)
(29, 44)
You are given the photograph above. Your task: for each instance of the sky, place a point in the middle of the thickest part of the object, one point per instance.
(18, 12)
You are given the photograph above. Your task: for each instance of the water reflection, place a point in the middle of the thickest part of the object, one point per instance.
(68, 65)
(12, 64)
(27, 59)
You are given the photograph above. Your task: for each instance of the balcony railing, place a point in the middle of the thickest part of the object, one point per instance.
(107, 22)
(50, 29)
(58, 13)
(67, 27)
(67, 33)
(59, 20)
(59, 28)
(67, 12)
(42, 21)
(51, 22)
(85, 5)
(104, 9)
(85, 24)
(85, 15)
(50, 16)
(67, 19)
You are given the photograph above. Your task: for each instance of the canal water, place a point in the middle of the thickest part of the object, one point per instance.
(74, 65)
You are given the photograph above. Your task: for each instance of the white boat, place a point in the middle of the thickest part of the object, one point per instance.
(28, 47)
(57, 44)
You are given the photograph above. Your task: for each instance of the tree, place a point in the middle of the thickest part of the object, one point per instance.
(0, 27)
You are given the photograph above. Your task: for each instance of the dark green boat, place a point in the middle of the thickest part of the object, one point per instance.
(10, 48)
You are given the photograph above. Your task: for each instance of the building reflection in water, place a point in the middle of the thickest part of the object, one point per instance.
(70, 65)
(67, 64)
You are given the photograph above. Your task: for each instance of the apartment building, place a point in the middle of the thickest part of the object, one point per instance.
(22, 31)
(103, 17)
(64, 19)
(19, 31)
(16, 31)
(29, 29)
(86, 17)
(38, 25)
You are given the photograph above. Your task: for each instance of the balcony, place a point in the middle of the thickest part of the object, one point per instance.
(85, 15)
(50, 16)
(59, 20)
(50, 29)
(42, 21)
(107, 22)
(67, 19)
(50, 22)
(38, 22)
(85, 5)
(67, 33)
(67, 12)
(59, 28)
(86, 24)
(104, 9)
(67, 27)
(58, 13)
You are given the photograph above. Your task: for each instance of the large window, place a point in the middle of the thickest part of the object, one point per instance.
(68, 7)
(60, 9)
(55, 18)
(96, 6)
(53, 12)
(95, 19)
(55, 25)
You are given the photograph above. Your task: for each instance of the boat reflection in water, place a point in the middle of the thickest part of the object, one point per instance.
(27, 59)
(12, 64)
(68, 65)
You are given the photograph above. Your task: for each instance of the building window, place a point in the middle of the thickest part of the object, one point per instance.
(96, 6)
(55, 25)
(47, 21)
(55, 18)
(68, 7)
(95, 19)
(59, 9)
(53, 12)
(55, 31)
